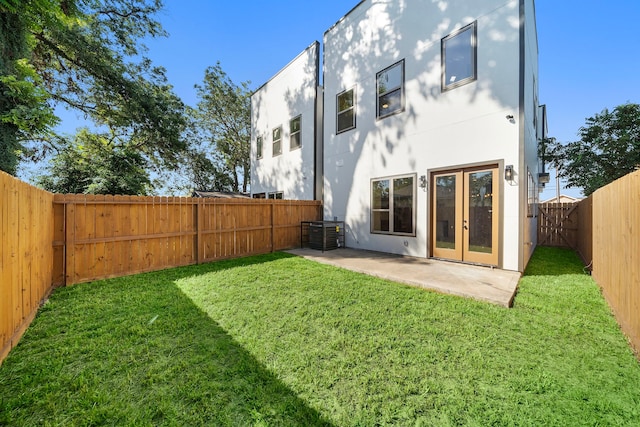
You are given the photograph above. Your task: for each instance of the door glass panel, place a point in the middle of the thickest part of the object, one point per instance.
(446, 212)
(480, 211)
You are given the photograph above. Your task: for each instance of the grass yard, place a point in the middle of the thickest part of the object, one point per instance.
(279, 340)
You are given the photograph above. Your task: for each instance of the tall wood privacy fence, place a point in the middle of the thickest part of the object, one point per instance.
(567, 225)
(616, 250)
(54, 240)
(26, 256)
(605, 231)
(108, 236)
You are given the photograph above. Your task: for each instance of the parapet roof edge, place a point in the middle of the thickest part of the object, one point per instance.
(344, 17)
(316, 44)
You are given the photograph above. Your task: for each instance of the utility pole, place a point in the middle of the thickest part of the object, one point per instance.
(557, 184)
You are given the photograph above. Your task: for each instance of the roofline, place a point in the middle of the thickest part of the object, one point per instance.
(315, 44)
(344, 17)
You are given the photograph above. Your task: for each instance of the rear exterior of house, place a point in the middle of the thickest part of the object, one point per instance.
(429, 129)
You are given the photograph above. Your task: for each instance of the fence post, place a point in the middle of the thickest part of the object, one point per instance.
(69, 247)
(199, 225)
(272, 226)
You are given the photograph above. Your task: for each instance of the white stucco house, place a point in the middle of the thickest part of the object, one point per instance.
(423, 136)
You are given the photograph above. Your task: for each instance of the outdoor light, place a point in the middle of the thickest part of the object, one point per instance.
(423, 181)
(508, 173)
(509, 117)
(543, 177)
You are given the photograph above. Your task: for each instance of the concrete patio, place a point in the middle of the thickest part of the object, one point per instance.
(470, 281)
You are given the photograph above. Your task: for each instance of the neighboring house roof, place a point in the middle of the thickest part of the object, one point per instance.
(219, 194)
(563, 199)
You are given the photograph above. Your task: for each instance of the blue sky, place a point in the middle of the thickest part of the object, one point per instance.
(589, 59)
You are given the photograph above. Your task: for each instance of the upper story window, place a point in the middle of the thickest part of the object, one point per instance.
(393, 202)
(278, 195)
(459, 57)
(294, 132)
(390, 89)
(259, 147)
(346, 111)
(277, 141)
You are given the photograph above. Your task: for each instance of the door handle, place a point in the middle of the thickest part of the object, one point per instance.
(464, 224)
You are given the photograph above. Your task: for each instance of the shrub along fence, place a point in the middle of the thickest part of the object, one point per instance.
(55, 240)
(26, 256)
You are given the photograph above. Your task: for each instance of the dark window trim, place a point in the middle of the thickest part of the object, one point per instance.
(338, 112)
(273, 142)
(275, 195)
(474, 42)
(259, 147)
(295, 147)
(378, 95)
(413, 207)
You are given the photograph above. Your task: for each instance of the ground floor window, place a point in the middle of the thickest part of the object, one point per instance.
(259, 196)
(276, 195)
(393, 205)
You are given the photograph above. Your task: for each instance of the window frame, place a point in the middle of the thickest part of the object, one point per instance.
(391, 208)
(292, 133)
(274, 141)
(474, 60)
(259, 147)
(259, 196)
(275, 195)
(339, 112)
(379, 95)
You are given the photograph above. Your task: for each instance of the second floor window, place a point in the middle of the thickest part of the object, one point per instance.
(259, 147)
(459, 55)
(346, 111)
(390, 88)
(277, 141)
(295, 132)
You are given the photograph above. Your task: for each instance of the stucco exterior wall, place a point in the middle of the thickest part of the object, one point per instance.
(437, 130)
(290, 93)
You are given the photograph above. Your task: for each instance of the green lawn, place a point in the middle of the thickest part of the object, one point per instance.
(279, 340)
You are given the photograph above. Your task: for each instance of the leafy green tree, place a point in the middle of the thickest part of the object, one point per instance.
(81, 53)
(609, 148)
(224, 113)
(24, 110)
(93, 164)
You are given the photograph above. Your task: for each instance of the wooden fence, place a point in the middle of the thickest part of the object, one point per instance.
(616, 250)
(108, 236)
(558, 224)
(26, 254)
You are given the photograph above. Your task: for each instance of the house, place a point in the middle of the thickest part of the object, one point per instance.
(422, 139)
(563, 198)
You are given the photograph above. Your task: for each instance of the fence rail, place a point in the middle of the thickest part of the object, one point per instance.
(108, 236)
(26, 254)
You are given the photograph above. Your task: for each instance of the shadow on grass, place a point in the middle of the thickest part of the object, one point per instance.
(136, 350)
(550, 261)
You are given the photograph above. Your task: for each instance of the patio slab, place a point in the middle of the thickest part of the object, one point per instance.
(481, 283)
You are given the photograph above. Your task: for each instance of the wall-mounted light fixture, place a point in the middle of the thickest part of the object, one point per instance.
(509, 117)
(508, 173)
(423, 181)
(543, 178)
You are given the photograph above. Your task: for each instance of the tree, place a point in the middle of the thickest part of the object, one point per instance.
(24, 110)
(81, 52)
(224, 113)
(609, 148)
(92, 164)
